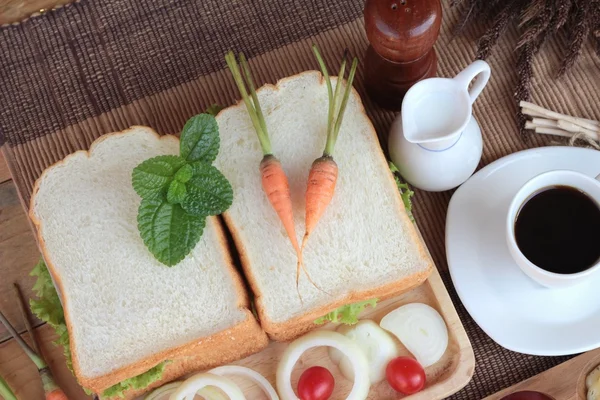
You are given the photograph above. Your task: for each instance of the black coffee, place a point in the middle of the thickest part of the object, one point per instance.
(558, 229)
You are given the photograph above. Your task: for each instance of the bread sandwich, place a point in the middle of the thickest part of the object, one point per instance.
(125, 312)
(365, 246)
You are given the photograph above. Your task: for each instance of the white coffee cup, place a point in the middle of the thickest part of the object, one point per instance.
(584, 183)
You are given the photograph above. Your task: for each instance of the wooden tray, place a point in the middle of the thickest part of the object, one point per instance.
(447, 376)
(563, 382)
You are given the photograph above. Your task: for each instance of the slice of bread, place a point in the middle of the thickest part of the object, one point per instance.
(125, 311)
(364, 247)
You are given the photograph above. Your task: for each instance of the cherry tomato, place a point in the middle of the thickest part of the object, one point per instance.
(405, 375)
(316, 383)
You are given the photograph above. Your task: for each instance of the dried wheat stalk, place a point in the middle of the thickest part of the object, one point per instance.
(537, 20)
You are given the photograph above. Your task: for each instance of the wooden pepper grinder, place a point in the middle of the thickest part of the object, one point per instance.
(401, 35)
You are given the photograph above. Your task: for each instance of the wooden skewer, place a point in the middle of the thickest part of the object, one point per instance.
(540, 111)
(567, 126)
(556, 130)
(552, 131)
(545, 122)
(530, 112)
(25, 316)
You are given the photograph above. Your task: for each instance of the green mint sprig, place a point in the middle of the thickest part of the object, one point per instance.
(179, 192)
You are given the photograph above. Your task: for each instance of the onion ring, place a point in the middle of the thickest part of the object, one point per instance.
(189, 388)
(260, 380)
(291, 355)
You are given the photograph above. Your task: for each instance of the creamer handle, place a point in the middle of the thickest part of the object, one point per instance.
(478, 69)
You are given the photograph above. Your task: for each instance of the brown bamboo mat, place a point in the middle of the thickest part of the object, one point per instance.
(94, 67)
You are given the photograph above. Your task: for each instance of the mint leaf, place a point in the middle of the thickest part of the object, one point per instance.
(347, 314)
(176, 192)
(168, 232)
(214, 109)
(184, 174)
(209, 192)
(199, 139)
(152, 177)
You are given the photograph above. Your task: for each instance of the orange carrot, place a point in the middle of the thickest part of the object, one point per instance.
(276, 187)
(51, 389)
(56, 395)
(274, 180)
(319, 192)
(324, 170)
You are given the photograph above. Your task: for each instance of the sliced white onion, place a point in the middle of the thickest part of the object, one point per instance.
(377, 345)
(421, 329)
(189, 388)
(291, 355)
(163, 392)
(210, 393)
(262, 382)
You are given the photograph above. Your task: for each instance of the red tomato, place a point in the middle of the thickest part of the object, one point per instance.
(316, 383)
(405, 375)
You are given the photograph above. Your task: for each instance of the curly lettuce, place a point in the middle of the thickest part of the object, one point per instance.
(48, 308)
(405, 192)
(347, 314)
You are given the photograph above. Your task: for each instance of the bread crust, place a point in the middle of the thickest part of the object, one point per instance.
(296, 326)
(212, 350)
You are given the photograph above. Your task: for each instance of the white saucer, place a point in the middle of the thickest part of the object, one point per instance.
(513, 310)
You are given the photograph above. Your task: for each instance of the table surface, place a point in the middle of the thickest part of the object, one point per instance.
(65, 117)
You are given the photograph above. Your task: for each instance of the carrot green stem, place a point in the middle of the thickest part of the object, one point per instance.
(37, 360)
(48, 382)
(329, 89)
(338, 88)
(263, 138)
(25, 317)
(5, 392)
(338, 122)
(250, 82)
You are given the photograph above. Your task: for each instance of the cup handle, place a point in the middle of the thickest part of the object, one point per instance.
(478, 69)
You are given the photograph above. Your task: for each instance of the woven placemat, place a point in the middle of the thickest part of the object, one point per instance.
(94, 67)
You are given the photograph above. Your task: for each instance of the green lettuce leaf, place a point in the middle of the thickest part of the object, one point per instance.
(48, 308)
(137, 382)
(347, 314)
(168, 231)
(210, 193)
(405, 192)
(199, 140)
(152, 178)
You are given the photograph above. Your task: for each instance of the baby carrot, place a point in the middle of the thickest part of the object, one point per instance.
(274, 180)
(324, 170)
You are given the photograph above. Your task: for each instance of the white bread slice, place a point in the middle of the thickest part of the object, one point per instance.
(364, 247)
(125, 311)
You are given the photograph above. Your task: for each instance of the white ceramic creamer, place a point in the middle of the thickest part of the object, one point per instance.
(435, 142)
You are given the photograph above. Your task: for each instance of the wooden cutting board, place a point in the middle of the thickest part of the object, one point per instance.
(444, 378)
(563, 382)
